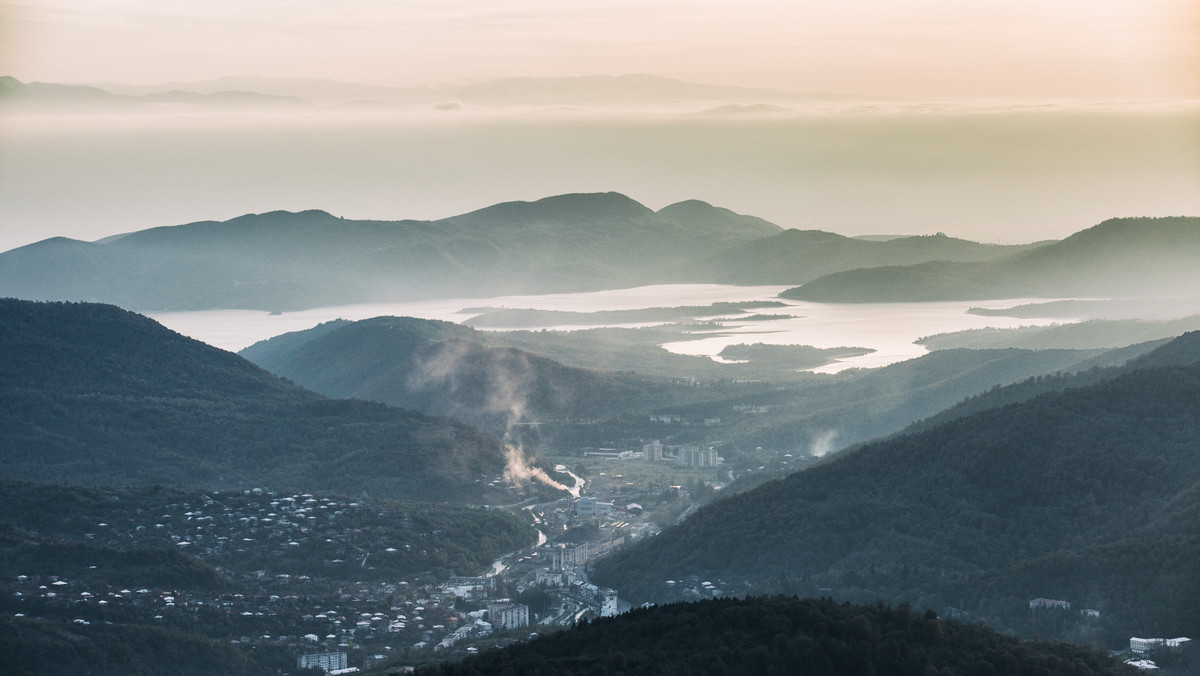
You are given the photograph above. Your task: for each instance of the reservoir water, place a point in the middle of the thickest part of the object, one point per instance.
(890, 329)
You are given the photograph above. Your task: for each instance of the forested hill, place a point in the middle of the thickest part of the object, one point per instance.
(94, 394)
(1087, 494)
(1180, 351)
(1119, 257)
(578, 242)
(783, 636)
(446, 369)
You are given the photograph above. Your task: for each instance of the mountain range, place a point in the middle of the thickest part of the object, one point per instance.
(577, 242)
(1119, 257)
(1085, 493)
(591, 90)
(282, 261)
(49, 95)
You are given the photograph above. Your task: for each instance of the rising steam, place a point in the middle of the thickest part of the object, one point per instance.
(518, 471)
(823, 443)
(507, 376)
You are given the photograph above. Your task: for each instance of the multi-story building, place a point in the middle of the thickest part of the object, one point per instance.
(508, 615)
(567, 556)
(609, 607)
(330, 661)
(1141, 646)
(696, 456)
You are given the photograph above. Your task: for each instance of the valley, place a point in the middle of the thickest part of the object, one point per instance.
(472, 472)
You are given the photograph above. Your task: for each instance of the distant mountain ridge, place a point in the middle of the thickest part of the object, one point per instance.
(98, 395)
(628, 89)
(13, 92)
(578, 242)
(1119, 257)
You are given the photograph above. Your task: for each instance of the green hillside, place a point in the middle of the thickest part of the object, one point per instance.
(446, 369)
(783, 636)
(93, 394)
(1082, 494)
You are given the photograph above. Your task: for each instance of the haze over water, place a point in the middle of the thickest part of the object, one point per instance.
(888, 328)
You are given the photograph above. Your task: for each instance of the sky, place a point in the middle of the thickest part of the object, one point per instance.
(1047, 116)
(921, 48)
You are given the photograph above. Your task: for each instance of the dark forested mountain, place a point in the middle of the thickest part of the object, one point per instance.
(580, 242)
(446, 369)
(94, 394)
(1119, 257)
(1083, 494)
(783, 636)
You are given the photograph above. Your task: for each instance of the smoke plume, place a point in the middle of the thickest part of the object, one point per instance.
(823, 443)
(495, 380)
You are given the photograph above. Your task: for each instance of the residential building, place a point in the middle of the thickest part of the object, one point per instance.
(653, 451)
(1141, 646)
(507, 615)
(609, 607)
(329, 661)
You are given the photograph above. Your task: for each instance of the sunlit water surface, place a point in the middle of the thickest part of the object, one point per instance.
(890, 329)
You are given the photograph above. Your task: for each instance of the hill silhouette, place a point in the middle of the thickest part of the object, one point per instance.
(1081, 494)
(795, 256)
(446, 369)
(783, 636)
(1119, 257)
(285, 261)
(94, 394)
(281, 260)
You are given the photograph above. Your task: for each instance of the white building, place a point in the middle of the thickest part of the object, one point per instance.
(507, 615)
(1141, 646)
(609, 607)
(328, 662)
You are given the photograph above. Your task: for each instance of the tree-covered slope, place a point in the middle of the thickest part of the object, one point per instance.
(783, 636)
(96, 395)
(959, 513)
(446, 369)
(1119, 257)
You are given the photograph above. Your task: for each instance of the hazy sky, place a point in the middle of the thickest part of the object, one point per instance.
(1031, 171)
(920, 48)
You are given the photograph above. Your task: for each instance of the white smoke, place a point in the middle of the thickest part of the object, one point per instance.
(517, 470)
(823, 443)
(509, 378)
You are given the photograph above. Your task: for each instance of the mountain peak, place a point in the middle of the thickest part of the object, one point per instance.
(569, 207)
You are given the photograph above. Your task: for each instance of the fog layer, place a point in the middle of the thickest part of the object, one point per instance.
(1007, 175)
